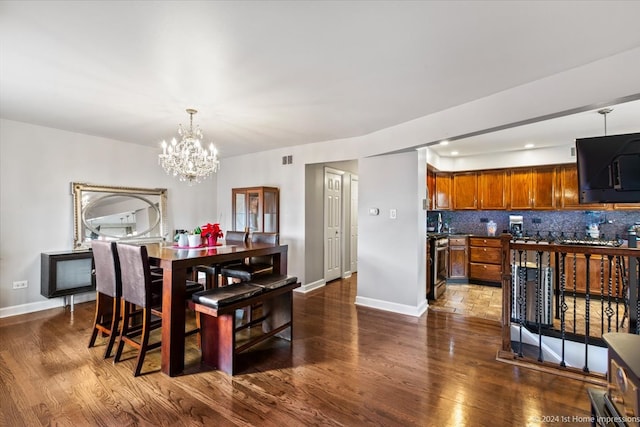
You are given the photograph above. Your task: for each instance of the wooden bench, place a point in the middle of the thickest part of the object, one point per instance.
(218, 330)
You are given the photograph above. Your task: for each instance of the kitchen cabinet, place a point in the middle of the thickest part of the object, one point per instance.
(544, 187)
(520, 194)
(569, 192)
(465, 191)
(256, 209)
(458, 258)
(623, 206)
(595, 267)
(431, 189)
(533, 188)
(443, 191)
(485, 260)
(493, 187)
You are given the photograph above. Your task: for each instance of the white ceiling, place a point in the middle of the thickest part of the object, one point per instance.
(559, 131)
(269, 74)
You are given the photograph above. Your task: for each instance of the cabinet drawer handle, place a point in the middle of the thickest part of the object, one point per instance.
(485, 249)
(485, 241)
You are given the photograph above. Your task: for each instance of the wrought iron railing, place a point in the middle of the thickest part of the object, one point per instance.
(559, 299)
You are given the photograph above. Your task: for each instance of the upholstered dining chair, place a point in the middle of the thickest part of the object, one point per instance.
(137, 292)
(212, 272)
(254, 266)
(108, 293)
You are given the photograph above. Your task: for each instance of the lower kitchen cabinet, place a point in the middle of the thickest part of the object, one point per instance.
(485, 256)
(458, 258)
(598, 272)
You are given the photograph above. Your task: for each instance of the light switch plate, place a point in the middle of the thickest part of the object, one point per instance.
(393, 214)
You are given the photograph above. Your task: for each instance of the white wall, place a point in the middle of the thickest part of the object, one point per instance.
(37, 165)
(392, 252)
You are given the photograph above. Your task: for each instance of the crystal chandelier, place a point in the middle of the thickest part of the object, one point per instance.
(186, 158)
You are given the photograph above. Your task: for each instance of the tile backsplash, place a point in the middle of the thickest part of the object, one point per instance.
(570, 222)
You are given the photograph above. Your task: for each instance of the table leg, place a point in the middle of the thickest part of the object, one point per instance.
(173, 320)
(218, 341)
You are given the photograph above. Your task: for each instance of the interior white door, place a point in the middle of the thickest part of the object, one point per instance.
(332, 218)
(353, 247)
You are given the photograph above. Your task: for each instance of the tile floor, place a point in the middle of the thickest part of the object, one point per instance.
(471, 300)
(486, 302)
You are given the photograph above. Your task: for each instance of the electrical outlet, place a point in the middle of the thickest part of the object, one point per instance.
(21, 284)
(536, 221)
(484, 219)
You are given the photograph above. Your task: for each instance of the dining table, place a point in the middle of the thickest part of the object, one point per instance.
(176, 263)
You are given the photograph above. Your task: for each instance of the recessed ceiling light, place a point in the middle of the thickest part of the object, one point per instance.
(529, 145)
(445, 142)
(454, 153)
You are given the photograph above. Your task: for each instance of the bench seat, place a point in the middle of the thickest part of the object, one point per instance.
(225, 295)
(217, 319)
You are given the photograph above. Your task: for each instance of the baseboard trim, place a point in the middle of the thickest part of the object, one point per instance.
(409, 310)
(33, 307)
(311, 286)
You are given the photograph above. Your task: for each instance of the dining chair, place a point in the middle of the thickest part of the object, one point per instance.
(254, 266)
(212, 272)
(108, 293)
(137, 292)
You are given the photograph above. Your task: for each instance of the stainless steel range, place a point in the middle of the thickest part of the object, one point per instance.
(439, 267)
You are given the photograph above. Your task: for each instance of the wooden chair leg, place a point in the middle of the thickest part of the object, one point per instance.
(126, 322)
(96, 321)
(144, 342)
(115, 323)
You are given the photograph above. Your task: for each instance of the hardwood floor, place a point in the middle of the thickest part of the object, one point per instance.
(347, 366)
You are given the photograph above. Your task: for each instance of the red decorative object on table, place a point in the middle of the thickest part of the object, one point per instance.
(212, 232)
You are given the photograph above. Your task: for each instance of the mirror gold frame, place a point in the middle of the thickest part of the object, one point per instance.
(89, 199)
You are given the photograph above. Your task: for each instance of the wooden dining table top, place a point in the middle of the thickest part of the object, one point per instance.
(187, 257)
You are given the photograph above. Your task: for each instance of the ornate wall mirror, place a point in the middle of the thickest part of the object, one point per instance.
(118, 213)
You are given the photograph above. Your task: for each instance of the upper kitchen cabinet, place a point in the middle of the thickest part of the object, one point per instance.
(443, 191)
(520, 194)
(256, 209)
(544, 187)
(431, 188)
(533, 188)
(493, 189)
(465, 191)
(569, 192)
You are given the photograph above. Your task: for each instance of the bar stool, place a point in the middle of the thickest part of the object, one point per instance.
(212, 272)
(255, 266)
(137, 291)
(108, 293)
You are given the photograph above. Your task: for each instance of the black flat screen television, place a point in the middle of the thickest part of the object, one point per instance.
(609, 168)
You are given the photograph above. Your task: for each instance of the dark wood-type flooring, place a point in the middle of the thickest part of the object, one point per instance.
(347, 366)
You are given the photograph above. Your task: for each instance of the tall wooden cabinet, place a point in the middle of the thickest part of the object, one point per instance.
(256, 209)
